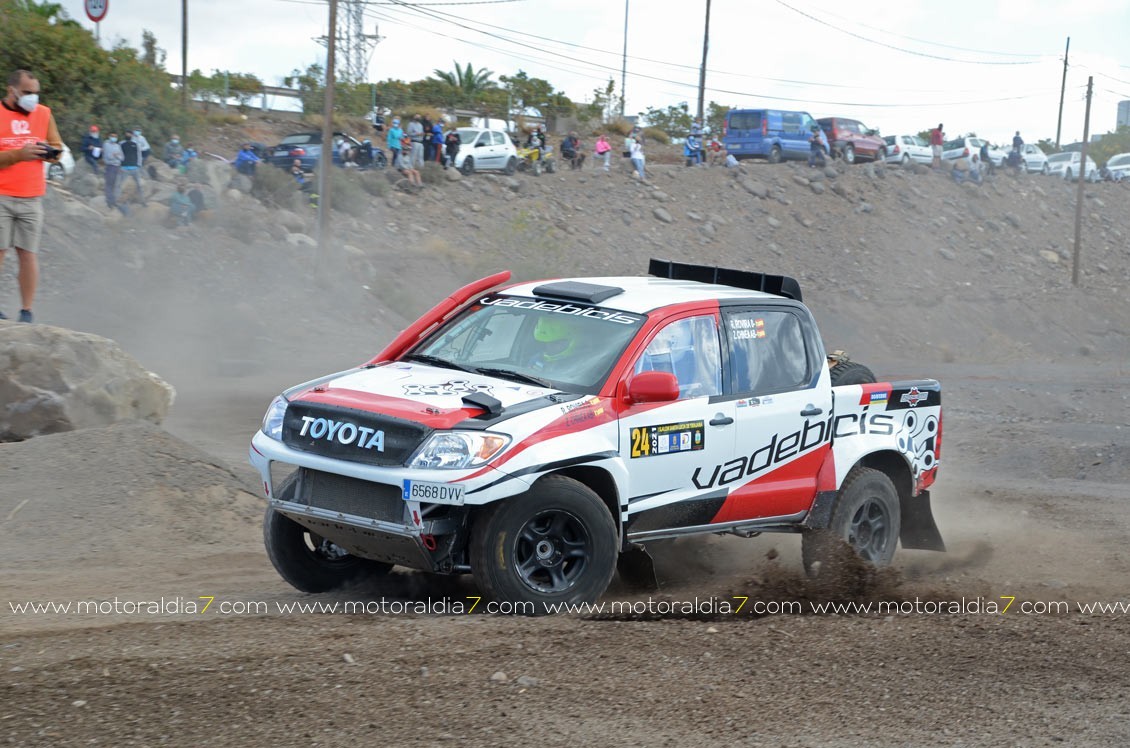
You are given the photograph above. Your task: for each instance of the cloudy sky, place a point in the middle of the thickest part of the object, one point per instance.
(984, 66)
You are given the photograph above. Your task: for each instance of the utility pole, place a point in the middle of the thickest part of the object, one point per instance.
(1062, 90)
(325, 161)
(184, 54)
(624, 64)
(702, 72)
(1079, 194)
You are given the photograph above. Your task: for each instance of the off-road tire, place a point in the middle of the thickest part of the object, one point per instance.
(775, 154)
(536, 168)
(551, 166)
(468, 167)
(556, 543)
(849, 372)
(866, 516)
(299, 557)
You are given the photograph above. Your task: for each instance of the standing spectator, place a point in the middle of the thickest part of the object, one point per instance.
(696, 128)
(426, 137)
(395, 136)
(174, 152)
(246, 160)
(415, 132)
(112, 160)
(131, 167)
(638, 157)
(451, 145)
(92, 148)
(937, 138)
(142, 146)
(1017, 142)
(714, 148)
(602, 150)
(29, 138)
(437, 142)
(571, 150)
(986, 159)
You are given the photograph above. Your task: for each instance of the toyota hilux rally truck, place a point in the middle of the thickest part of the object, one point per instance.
(536, 435)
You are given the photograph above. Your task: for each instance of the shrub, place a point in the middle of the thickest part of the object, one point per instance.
(273, 186)
(374, 182)
(659, 136)
(618, 126)
(349, 192)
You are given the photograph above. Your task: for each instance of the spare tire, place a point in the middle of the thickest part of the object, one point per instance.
(849, 372)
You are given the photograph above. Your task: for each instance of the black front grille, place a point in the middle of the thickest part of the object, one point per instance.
(349, 434)
(339, 493)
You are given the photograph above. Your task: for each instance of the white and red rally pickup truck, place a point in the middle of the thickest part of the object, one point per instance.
(535, 434)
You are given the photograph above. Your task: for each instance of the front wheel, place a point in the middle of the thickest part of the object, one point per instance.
(866, 517)
(554, 544)
(309, 562)
(468, 167)
(849, 153)
(1067, 176)
(379, 160)
(537, 168)
(1045, 170)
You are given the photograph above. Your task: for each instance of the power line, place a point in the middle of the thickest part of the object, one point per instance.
(901, 49)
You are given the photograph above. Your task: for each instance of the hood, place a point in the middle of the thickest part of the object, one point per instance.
(425, 394)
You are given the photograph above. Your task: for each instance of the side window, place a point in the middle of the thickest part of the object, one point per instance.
(689, 349)
(767, 351)
(790, 121)
(498, 138)
(806, 122)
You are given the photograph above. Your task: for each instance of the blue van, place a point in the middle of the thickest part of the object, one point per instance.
(773, 134)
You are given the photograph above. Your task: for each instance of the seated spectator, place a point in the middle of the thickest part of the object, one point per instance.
(174, 152)
(246, 160)
(404, 164)
(181, 206)
(571, 151)
(603, 150)
(967, 170)
(692, 150)
(716, 151)
(188, 156)
(299, 175)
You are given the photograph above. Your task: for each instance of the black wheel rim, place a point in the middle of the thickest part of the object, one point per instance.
(552, 551)
(325, 553)
(870, 531)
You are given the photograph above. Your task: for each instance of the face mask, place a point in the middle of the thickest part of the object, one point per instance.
(175, 141)
(113, 140)
(137, 133)
(28, 102)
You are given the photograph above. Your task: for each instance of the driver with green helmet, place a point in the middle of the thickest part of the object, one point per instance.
(558, 336)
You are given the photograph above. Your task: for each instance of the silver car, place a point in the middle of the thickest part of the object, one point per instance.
(1118, 167)
(902, 149)
(481, 149)
(1067, 166)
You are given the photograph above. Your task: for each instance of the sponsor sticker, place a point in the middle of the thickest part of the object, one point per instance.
(667, 438)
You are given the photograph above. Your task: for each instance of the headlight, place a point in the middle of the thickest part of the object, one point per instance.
(273, 420)
(453, 450)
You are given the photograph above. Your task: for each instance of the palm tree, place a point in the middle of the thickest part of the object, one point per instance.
(466, 83)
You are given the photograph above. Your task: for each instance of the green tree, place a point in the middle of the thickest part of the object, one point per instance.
(605, 104)
(311, 85)
(674, 120)
(151, 54)
(466, 86)
(716, 117)
(243, 87)
(534, 93)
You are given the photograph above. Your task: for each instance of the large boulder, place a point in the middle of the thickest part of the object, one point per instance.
(54, 380)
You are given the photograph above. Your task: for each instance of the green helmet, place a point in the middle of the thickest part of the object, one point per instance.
(558, 333)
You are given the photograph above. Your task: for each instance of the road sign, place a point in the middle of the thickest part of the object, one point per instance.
(96, 9)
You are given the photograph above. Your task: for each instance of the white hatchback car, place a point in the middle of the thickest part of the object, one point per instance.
(57, 172)
(1118, 167)
(902, 149)
(481, 149)
(1033, 159)
(1067, 166)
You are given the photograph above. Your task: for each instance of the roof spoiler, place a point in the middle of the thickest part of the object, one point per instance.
(778, 285)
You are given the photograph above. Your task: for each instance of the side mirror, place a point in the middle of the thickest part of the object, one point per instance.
(653, 387)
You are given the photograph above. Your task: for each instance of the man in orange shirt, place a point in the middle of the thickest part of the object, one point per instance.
(28, 137)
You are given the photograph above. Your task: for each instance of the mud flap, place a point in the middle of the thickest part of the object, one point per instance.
(636, 569)
(919, 530)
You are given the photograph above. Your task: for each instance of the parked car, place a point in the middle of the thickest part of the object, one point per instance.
(852, 140)
(966, 146)
(1033, 159)
(307, 148)
(1067, 166)
(1117, 168)
(57, 172)
(483, 149)
(535, 434)
(773, 134)
(902, 149)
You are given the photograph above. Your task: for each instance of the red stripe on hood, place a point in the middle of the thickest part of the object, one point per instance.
(398, 407)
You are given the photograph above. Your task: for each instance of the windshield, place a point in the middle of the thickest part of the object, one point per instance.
(302, 139)
(1059, 157)
(571, 346)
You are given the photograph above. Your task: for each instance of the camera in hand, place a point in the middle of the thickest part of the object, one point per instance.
(52, 152)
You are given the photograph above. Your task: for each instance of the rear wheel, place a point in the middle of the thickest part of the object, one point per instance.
(866, 517)
(379, 160)
(775, 155)
(554, 544)
(905, 159)
(511, 165)
(537, 168)
(468, 167)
